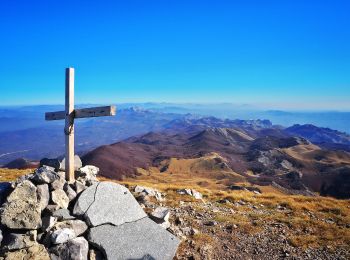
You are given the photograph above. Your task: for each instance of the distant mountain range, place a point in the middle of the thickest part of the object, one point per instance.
(300, 158)
(325, 137)
(25, 134)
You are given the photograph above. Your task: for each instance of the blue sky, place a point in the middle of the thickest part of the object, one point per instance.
(278, 54)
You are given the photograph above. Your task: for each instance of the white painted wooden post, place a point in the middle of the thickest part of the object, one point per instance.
(69, 126)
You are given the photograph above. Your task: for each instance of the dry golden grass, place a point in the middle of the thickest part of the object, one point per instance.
(310, 152)
(12, 174)
(203, 239)
(204, 173)
(306, 216)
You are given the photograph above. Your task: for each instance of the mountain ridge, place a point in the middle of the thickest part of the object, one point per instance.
(267, 157)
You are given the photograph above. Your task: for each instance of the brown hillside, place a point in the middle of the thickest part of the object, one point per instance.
(291, 162)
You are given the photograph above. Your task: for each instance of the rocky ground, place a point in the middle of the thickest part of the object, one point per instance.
(228, 241)
(221, 229)
(44, 217)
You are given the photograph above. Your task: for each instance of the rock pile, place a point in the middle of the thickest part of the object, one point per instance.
(44, 217)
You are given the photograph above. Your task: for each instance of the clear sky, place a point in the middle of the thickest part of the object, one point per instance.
(281, 54)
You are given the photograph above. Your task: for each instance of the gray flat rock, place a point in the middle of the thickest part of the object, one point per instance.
(135, 240)
(62, 214)
(108, 202)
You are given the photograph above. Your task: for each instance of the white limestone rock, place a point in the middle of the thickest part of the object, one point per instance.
(185, 192)
(197, 195)
(139, 189)
(61, 236)
(160, 214)
(88, 172)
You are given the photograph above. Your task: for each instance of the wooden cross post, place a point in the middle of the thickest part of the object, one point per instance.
(69, 115)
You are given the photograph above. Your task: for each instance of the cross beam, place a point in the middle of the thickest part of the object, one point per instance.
(83, 113)
(69, 115)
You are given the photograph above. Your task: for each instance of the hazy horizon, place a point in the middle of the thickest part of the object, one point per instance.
(338, 120)
(247, 107)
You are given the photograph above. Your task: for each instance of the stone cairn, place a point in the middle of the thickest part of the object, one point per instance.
(44, 217)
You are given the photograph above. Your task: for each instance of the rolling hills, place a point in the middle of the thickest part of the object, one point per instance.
(261, 154)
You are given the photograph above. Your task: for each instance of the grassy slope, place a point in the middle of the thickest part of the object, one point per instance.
(324, 219)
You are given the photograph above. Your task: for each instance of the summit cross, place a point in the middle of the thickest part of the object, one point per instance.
(69, 115)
